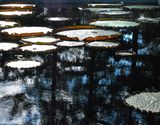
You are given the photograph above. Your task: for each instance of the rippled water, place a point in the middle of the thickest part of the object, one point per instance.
(80, 86)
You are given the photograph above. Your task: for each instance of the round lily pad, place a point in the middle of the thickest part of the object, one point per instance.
(115, 13)
(57, 19)
(104, 5)
(40, 40)
(88, 34)
(15, 13)
(125, 53)
(5, 46)
(27, 31)
(97, 10)
(4, 24)
(103, 44)
(70, 44)
(142, 7)
(38, 48)
(17, 5)
(115, 24)
(23, 64)
(148, 20)
(145, 101)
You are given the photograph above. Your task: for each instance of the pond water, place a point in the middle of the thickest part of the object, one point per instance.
(80, 85)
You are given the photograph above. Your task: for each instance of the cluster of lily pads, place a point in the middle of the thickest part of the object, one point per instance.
(38, 39)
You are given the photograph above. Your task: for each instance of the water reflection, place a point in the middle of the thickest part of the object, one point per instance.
(79, 86)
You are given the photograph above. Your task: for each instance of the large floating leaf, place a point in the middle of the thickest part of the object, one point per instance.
(21, 64)
(114, 23)
(89, 34)
(27, 31)
(15, 13)
(17, 5)
(145, 101)
(38, 48)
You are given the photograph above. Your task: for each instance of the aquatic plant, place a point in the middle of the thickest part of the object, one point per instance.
(145, 101)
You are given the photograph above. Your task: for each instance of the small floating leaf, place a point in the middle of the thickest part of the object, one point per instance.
(142, 7)
(104, 5)
(125, 53)
(148, 20)
(100, 44)
(145, 101)
(4, 24)
(42, 40)
(112, 13)
(114, 23)
(38, 48)
(4, 46)
(21, 64)
(70, 43)
(97, 10)
(56, 19)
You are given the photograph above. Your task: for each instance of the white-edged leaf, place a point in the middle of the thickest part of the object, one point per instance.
(145, 101)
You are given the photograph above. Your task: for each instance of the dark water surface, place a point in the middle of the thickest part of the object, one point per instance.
(80, 86)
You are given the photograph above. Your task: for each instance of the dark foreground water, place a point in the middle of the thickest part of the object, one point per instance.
(79, 86)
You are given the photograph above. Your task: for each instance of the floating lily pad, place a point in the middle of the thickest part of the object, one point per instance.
(70, 44)
(27, 31)
(115, 23)
(40, 40)
(97, 10)
(17, 5)
(38, 48)
(125, 53)
(4, 24)
(148, 20)
(56, 19)
(103, 44)
(115, 13)
(4, 46)
(145, 101)
(88, 34)
(142, 7)
(104, 5)
(15, 13)
(23, 64)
